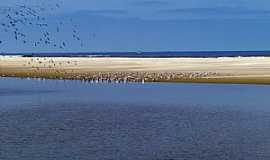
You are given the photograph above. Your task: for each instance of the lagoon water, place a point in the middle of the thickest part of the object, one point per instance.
(56, 119)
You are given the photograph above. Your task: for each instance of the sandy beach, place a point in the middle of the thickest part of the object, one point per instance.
(247, 70)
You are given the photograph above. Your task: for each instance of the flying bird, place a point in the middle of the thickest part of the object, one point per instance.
(17, 19)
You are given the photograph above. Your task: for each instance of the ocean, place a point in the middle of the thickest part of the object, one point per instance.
(62, 119)
(165, 54)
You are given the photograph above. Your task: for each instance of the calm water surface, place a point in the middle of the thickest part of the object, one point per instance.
(72, 120)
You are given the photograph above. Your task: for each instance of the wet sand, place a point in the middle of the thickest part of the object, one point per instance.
(251, 70)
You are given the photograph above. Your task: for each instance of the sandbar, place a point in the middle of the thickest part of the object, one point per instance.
(239, 70)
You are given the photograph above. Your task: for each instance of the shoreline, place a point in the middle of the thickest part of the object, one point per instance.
(232, 70)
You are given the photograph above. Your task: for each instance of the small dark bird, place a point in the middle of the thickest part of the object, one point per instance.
(18, 18)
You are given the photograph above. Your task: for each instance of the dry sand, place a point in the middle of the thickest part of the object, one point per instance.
(214, 70)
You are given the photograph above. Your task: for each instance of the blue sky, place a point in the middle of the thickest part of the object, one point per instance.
(153, 25)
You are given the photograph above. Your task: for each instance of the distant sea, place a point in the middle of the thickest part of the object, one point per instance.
(165, 54)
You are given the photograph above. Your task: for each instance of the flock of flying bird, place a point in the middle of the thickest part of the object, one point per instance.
(16, 19)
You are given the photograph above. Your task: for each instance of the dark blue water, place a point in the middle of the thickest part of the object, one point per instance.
(165, 54)
(74, 120)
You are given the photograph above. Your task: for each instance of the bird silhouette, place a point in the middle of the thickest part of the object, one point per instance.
(17, 19)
